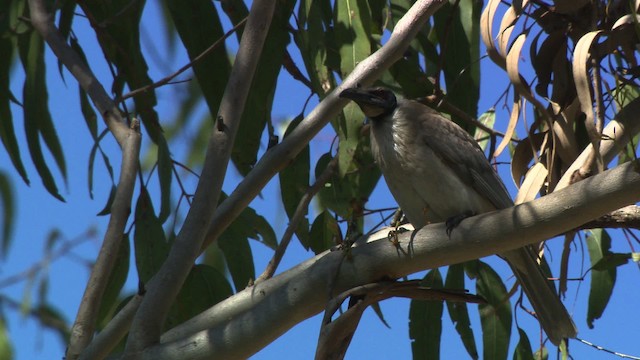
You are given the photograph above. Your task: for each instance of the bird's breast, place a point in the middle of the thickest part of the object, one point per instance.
(426, 188)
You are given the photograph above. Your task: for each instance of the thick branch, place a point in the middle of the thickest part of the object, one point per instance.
(243, 324)
(43, 23)
(163, 289)
(281, 155)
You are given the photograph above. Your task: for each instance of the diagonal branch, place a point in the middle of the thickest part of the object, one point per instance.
(164, 287)
(248, 321)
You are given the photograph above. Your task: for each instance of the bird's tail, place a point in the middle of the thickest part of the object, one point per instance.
(551, 313)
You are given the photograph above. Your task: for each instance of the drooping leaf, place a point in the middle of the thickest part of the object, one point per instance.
(523, 348)
(92, 156)
(203, 288)
(6, 348)
(458, 31)
(149, 240)
(602, 280)
(325, 232)
(294, 183)
(495, 315)
(7, 209)
(7, 132)
(458, 311)
(165, 175)
(482, 137)
(37, 119)
(425, 321)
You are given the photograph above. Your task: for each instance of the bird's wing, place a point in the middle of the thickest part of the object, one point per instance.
(463, 154)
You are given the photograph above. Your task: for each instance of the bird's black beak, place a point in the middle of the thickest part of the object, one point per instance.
(374, 102)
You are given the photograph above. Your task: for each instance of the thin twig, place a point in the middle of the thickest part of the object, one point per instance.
(301, 211)
(189, 65)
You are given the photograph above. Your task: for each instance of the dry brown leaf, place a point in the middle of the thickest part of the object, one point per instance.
(533, 182)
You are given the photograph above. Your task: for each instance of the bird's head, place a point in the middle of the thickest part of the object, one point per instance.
(375, 102)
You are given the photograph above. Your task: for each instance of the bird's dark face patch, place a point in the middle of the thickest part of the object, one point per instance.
(374, 102)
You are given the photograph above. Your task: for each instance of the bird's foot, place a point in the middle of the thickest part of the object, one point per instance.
(454, 221)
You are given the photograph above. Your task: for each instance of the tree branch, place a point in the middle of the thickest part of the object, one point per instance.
(243, 324)
(42, 21)
(86, 319)
(162, 290)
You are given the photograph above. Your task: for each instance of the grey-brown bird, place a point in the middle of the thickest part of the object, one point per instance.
(437, 172)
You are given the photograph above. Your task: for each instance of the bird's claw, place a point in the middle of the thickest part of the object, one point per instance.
(454, 221)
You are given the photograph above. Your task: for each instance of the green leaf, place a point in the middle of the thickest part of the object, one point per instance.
(7, 209)
(203, 288)
(198, 25)
(239, 258)
(294, 183)
(120, 42)
(234, 243)
(6, 348)
(165, 175)
(257, 110)
(602, 281)
(149, 240)
(105, 159)
(482, 137)
(523, 349)
(353, 24)
(314, 45)
(425, 321)
(67, 11)
(495, 315)
(7, 132)
(37, 119)
(86, 108)
(324, 233)
(116, 281)
(459, 312)
(458, 33)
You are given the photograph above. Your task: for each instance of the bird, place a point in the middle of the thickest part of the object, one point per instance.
(437, 172)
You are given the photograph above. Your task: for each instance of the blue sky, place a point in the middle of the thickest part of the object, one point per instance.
(39, 213)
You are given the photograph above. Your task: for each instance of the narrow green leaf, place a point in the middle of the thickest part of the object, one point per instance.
(324, 233)
(165, 175)
(198, 25)
(7, 132)
(149, 240)
(239, 258)
(37, 119)
(116, 281)
(353, 23)
(203, 288)
(523, 349)
(425, 321)
(294, 183)
(458, 33)
(459, 312)
(482, 137)
(602, 281)
(7, 209)
(86, 108)
(92, 156)
(495, 315)
(67, 11)
(6, 348)
(257, 110)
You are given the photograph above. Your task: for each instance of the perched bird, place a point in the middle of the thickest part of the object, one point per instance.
(437, 172)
